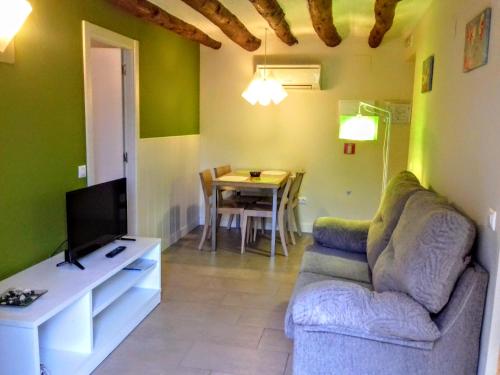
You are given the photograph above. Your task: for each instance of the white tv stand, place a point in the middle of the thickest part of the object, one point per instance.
(83, 316)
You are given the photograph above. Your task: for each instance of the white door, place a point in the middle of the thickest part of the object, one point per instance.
(109, 154)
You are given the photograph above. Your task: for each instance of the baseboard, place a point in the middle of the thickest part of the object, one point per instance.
(178, 234)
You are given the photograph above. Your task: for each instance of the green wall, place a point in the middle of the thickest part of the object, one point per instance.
(42, 130)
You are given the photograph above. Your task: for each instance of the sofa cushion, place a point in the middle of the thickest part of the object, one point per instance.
(427, 253)
(336, 263)
(400, 188)
(347, 308)
(304, 279)
(348, 235)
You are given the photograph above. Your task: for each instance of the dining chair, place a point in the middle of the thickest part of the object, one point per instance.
(293, 203)
(293, 222)
(218, 172)
(224, 207)
(266, 211)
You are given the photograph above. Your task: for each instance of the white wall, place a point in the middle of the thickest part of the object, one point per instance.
(456, 135)
(302, 132)
(107, 99)
(168, 191)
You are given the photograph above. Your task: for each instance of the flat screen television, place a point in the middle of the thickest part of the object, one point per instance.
(96, 215)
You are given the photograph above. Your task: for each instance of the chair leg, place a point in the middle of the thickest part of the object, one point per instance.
(282, 230)
(296, 221)
(248, 229)
(243, 233)
(291, 223)
(230, 222)
(205, 229)
(254, 230)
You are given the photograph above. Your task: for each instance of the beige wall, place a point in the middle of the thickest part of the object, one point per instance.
(456, 135)
(302, 132)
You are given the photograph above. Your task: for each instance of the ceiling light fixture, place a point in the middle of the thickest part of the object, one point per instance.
(13, 13)
(264, 88)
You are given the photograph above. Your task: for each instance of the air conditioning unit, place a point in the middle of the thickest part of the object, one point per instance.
(294, 76)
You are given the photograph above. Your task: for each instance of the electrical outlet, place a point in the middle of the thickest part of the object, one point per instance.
(492, 219)
(302, 201)
(82, 171)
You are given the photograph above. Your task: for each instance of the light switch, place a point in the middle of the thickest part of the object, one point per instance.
(82, 171)
(492, 219)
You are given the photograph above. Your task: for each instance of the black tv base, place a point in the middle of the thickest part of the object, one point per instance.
(75, 262)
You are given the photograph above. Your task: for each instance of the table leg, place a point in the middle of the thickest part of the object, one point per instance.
(214, 218)
(273, 228)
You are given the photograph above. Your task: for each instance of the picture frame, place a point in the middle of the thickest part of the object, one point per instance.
(477, 40)
(427, 74)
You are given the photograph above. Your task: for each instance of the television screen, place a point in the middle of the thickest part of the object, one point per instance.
(96, 215)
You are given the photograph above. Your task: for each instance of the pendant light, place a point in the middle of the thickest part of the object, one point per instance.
(264, 88)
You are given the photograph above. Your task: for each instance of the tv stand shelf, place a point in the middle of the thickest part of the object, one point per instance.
(84, 315)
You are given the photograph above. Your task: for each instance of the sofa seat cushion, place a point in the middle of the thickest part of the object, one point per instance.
(304, 279)
(336, 263)
(348, 235)
(427, 253)
(347, 308)
(399, 189)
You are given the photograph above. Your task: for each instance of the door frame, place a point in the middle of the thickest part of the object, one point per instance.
(130, 59)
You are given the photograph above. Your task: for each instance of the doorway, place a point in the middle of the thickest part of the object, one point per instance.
(111, 110)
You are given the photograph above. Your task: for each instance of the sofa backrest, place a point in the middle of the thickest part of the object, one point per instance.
(400, 188)
(427, 253)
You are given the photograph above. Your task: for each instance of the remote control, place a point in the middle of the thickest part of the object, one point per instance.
(115, 251)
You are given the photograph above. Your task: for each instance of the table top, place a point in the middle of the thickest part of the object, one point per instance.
(269, 179)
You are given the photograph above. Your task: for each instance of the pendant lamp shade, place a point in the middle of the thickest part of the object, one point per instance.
(264, 89)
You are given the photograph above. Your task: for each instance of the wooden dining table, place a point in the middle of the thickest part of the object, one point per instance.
(269, 180)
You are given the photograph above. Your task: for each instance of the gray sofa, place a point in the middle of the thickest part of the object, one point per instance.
(396, 295)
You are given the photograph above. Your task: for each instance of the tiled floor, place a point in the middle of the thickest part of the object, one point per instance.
(221, 314)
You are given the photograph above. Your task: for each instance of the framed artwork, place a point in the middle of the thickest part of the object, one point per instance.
(427, 74)
(477, 40)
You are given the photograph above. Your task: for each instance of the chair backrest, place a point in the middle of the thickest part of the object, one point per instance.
(286, 195)
(295, 188)
(206, 184)
(222, 170)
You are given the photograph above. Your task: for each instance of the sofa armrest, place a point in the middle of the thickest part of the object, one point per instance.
(347, 308)
(347, 235)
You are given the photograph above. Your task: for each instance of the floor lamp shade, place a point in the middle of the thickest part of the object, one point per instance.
(358, 128)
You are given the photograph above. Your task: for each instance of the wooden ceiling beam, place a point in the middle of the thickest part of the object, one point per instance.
(272, 12)
(385, 11)
(147, 11)
(226, 21)
(322, 20)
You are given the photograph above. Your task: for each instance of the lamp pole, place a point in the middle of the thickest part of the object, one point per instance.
(387, 138)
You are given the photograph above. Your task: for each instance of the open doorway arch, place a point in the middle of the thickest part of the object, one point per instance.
(95, 35)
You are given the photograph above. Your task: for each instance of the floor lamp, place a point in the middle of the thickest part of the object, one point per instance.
(365, 128)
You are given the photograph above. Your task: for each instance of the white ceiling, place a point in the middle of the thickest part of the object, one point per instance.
(351, 17)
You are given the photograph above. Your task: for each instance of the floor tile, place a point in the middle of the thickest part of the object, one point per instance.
(275, 339)
(221, 313)
(234, 360)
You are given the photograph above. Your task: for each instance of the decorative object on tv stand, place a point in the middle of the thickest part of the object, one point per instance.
(477, 40)
(427, 74)
(13, 13)
(365, 128)
(264, 88)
